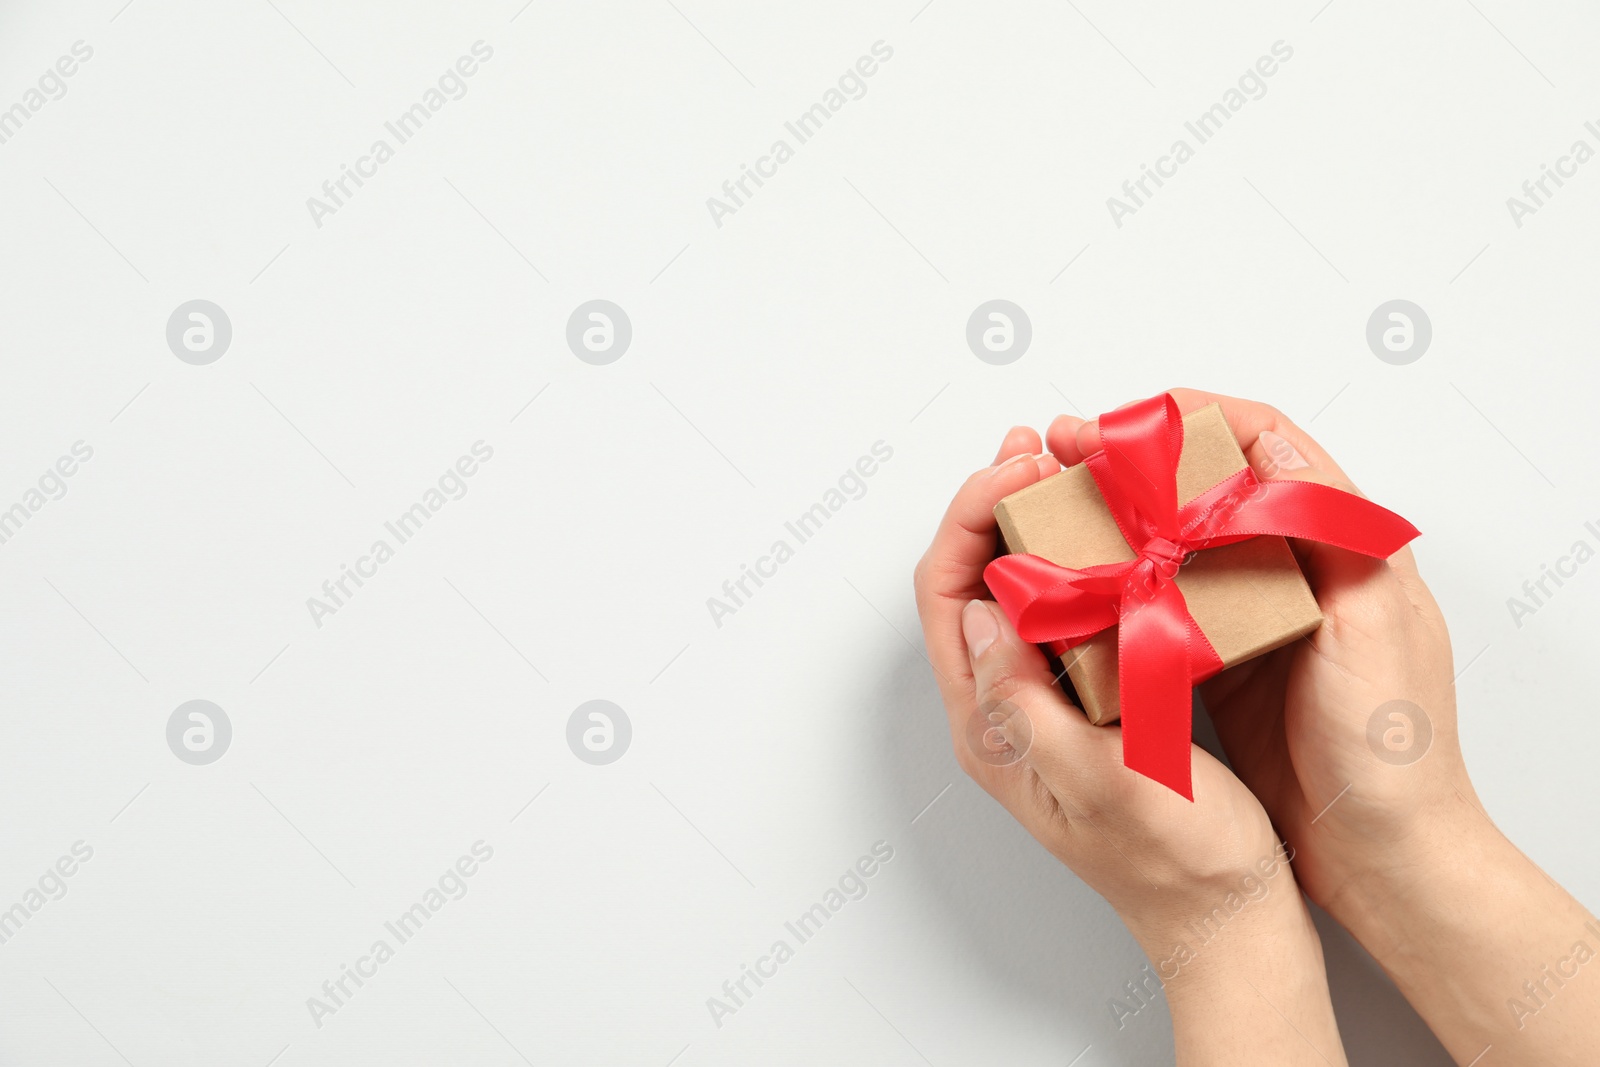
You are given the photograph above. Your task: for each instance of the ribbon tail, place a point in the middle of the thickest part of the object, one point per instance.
(1154, 674)
(1242, 507)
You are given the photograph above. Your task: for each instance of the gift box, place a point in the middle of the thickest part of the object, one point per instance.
(1161, 560)
(1248, 598)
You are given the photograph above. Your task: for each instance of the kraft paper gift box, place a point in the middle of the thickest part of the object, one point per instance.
(1248, 598)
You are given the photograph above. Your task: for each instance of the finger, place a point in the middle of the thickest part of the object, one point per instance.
(1088, 433)
(1326, 567)
(951, 571)
(1274, 457)
(1014, 687)
(965, 541)
(1062, 439)
(1248, 420)
(1018, 439)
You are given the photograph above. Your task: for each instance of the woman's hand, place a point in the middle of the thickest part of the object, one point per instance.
(1201, 885)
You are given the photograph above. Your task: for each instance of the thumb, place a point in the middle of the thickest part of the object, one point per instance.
(1276, 459)
(1019, 699)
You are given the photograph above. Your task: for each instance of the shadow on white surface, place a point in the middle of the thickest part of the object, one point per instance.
(1056, 954)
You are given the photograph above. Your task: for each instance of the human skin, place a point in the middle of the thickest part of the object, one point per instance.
(1491, 952)
(1255, 992)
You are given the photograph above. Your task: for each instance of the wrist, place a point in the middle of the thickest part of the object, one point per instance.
(1380, 897)
(1482, 943)
(1197, 913)
(1221, 924)
(1244, 980)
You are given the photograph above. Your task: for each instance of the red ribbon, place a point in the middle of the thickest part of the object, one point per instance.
(1161, 653)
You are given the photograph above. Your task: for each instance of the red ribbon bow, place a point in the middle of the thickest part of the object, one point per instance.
(1161, 653)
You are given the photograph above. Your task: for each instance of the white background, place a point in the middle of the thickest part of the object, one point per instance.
(768, 355)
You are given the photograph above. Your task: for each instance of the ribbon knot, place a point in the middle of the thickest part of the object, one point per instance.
(1167, 556)
(1161, 651)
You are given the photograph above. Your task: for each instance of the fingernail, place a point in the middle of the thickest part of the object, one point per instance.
(978, 627)
(1281, 455)
(1089, 437)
